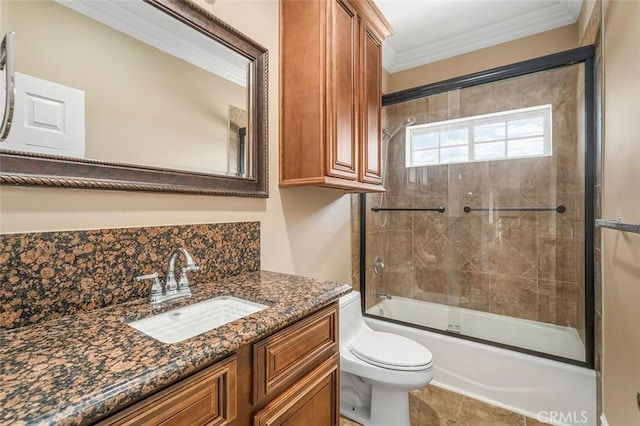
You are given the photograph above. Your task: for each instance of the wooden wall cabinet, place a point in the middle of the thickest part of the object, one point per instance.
(330, 93)
(290, 377)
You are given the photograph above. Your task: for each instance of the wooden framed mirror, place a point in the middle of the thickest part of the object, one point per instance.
(193, 121)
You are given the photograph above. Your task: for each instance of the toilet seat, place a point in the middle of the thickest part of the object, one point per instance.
(390, 351)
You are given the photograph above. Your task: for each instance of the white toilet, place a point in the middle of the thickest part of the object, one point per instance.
(377, 370)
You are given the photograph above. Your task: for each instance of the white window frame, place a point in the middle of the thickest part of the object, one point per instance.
(469, 123)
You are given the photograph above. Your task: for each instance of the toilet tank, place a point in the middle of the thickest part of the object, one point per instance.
(351, 321)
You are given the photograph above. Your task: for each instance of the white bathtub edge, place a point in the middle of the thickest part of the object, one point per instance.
(531, 385)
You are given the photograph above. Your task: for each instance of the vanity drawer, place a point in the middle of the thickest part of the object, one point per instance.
(206, 398)
(283, 358)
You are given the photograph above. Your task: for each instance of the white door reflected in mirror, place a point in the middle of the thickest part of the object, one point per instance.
(48, 118)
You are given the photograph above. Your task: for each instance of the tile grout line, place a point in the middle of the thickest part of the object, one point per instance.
(457, 417)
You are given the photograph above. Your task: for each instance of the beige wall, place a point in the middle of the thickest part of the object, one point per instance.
(621, 372)
(553, 41)
(142, 105)
(3, 17)
(586, 12)
(304, 230)
(385, 81)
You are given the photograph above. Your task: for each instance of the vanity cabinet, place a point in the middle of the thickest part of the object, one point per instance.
(286, 356)
(206, 398)
(291, 376)
(310, 401)
(331, 76)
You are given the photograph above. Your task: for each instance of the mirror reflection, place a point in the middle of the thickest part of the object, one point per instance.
(150, 91)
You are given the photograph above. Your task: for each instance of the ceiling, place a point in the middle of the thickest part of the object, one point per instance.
(430, 30)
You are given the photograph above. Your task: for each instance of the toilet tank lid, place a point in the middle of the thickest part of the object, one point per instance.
(349, 298)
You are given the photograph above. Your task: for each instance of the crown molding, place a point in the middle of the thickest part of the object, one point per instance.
(564, 13)
(157, 29)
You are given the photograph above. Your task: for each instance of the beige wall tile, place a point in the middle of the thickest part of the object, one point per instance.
(500, 257)
(515, 297)
(557, 303)
(431, 284)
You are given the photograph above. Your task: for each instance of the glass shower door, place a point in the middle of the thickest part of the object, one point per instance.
(481, 229)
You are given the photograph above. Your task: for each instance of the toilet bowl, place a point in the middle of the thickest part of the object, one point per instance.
(377, 370)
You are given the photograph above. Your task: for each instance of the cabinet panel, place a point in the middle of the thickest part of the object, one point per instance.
(302, 92)
(311, 401)
(330, 131)
(286, 356)
(370, 163)
(342, 78)
(207, 398)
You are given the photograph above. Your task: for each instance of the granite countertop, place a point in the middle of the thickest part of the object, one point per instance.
(76, 369)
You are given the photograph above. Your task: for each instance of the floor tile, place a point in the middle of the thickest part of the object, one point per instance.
(346, 422)
(478, 413)
(434, 406)
(533, 422)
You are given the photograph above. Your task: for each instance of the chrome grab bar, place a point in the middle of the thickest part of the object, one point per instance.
(7, 64)
(618, 225)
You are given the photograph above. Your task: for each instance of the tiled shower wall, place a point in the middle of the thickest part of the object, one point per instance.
(522, 264)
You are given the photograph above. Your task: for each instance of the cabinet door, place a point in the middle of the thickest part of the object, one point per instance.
(206, 398)
(371, 101)
(342, 104)
(313, 400)
(283, 358)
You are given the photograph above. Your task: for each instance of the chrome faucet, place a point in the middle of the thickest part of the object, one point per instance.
(182, 285)
(383, 295)
(172, 289)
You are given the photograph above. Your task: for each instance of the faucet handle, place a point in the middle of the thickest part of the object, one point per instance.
(156, 289)
(183, 281)
(190, 268)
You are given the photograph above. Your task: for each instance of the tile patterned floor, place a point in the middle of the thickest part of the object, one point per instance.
(433, 406)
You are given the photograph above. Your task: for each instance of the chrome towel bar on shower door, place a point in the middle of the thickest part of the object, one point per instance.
(618, 225)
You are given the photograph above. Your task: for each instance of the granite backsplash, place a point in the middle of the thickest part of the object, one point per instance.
(48, 275)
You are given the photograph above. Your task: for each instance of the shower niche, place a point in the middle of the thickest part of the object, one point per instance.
(486, 226)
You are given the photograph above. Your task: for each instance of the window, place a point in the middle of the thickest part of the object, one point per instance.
(503, 135)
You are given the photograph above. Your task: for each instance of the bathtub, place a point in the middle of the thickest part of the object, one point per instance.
(551, 391)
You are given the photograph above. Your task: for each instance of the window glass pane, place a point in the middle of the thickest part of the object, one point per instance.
(425, 157)
(422, 140)
(489, 132)
(488, 151)
(454, 154)
(494, 136)
(454, 137)
(526, 147)
(533, 126)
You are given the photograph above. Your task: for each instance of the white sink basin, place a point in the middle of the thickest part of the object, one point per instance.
(180, 324)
